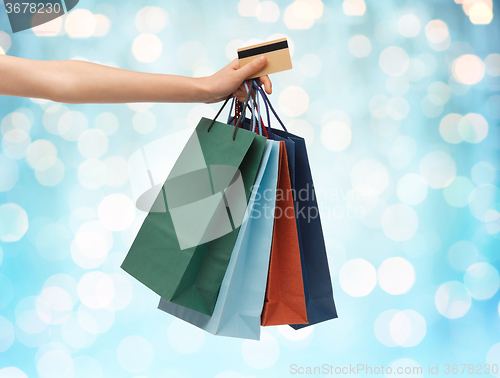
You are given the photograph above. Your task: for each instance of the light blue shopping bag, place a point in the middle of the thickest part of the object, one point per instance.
(241, 297)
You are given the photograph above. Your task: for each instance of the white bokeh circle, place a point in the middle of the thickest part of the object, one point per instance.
(92, 173)
(453, 299)
(473, 128)
(92, 144)
(407, 328)
(42, 155)
(116, 212)
(13, 222)
(71, 125)
(438, 169)
(107, 122)
(93, 240)
(53, 175)
(96, 290)
(12, 372)
(360, 46)
(55, 364)
(396, 275)
(15, 143)
(357, 277)
(409, 26)
(394, 61)
(151, 19)
(482, 280)
(147, 48)
(336, 136)
(468, 69)
(9, 173)
(483, 200)
(293, 101)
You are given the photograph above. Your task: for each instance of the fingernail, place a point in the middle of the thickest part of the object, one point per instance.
(262, 59)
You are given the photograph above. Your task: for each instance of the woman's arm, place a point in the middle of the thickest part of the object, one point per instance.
(77, 82)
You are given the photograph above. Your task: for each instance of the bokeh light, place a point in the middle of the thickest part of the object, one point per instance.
(399, 107)
(396, 275)
(12, 372)
(453, 299)
(9, 173)
(407, 328)
(482, 280)
(438, 169)
(483, 199)
(480, 13)
(336, 136)
(92, 144)
(394, 61)
(13, 222)
(468, 69)
(473, 128)
(96, 290)
(151, 19)
(354, 7)
(409, 26)
(147, 48)
(267, 11)
(357, 277)
(360, 46)
(116, 212)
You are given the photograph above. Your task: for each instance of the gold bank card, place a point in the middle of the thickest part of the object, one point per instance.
(276, 52)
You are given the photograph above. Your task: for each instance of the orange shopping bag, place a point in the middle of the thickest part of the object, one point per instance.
(285, 301)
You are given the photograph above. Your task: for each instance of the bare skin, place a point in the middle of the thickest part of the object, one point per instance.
(76, 82)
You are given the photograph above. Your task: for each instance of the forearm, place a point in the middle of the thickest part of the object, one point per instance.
(83, 82)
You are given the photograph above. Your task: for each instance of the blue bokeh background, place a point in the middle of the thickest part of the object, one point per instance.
(399, 103)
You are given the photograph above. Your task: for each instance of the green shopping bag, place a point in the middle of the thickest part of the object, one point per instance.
(184, 245)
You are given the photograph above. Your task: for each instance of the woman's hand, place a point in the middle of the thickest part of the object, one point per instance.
(231, 79)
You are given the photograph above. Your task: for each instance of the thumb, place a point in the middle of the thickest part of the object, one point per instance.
(251, 68)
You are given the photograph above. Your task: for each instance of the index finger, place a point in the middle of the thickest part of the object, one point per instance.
(266, 82)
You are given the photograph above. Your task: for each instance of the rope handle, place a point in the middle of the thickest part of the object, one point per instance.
(236, 126)
(268, 104)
